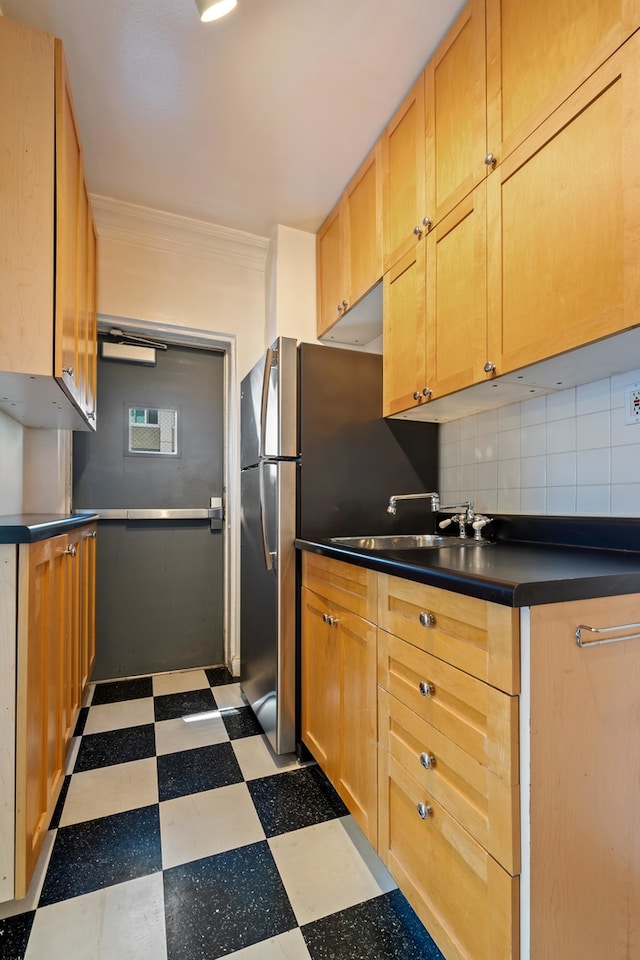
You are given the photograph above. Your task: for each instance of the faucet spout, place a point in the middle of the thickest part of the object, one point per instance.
(393, 501)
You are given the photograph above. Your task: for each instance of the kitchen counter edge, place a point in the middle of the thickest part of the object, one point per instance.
(603, 573)
(31, 527)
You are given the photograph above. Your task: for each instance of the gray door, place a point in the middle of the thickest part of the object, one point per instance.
(159, 446)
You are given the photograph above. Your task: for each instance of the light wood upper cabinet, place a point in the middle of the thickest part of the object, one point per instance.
(404, 372)
(349, 245)
(538, 54)
(403, 160)
(456, 296)
(563, 237)
(455, 110)
(330, 270)
(46, 347)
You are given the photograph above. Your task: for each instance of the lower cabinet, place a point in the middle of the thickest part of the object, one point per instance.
(448, 765)
(487, 717)
(55, 646)
(339, 681)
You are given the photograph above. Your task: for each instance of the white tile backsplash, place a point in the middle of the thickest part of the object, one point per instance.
(567, 453)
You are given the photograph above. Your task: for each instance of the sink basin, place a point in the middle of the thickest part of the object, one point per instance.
(408, 541)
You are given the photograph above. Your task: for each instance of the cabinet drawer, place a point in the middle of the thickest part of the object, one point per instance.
(475, 635)
(481, 720)
(482, 803)
(463, 896)
(348, 586)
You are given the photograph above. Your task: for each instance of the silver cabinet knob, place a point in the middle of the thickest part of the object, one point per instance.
(426, 619)
(68, 371)
(339, 308)
(91, 415)
(325, 617)
(416, 394)
(426, 689)
(427, 760)
(71, 550)
(94, 534)
(418, 231)
(491, 160)
(426, 392)
(424, 810)
(426, 222)
(489, 367)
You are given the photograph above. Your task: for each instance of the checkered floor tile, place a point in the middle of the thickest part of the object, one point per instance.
(179, 835)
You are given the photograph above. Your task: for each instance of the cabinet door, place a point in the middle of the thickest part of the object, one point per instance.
(39, 706)
(330, 270)
(363, 208)
(457, 297)
(403, 157)
(455, 94)
(358, 771)
(84, 603)
(92, 318)
(563, 243)
(320, 685)
(466, 900)
(538, 54)
(404, 373)
(26, 199)
(68, 198)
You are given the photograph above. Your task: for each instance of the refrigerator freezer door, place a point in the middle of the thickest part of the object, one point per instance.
(268, 405)
(268, 600)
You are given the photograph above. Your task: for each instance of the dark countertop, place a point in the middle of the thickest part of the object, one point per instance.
(516, 574)
(29, 527)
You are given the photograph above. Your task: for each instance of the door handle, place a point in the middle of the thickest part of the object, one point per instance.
(214, 513)
(269, 361)
(268, 554)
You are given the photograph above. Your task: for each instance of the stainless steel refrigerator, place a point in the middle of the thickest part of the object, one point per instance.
(317, 461)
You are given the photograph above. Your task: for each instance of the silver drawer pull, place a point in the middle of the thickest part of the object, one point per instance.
(599, 630)
(427, 760)
(427, 619)
(424, 810)
(426, 689)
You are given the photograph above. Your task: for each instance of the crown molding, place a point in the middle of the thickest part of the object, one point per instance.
(157, 230)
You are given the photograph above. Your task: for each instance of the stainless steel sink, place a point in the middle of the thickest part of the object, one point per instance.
(409, 541)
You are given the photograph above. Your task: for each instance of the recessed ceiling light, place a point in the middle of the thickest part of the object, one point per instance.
(214, 9)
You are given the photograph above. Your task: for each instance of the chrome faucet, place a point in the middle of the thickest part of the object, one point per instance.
(477, 520)
(434, 497)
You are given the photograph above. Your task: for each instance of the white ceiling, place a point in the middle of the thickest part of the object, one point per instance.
(258, 119)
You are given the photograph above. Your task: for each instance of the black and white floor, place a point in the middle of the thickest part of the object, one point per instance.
(180, 836)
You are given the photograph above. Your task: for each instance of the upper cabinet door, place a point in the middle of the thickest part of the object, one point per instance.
(330, 270)
(363, 203)
(455, 106)
(68, 237)
(403, 157)
(538, 54)
(562, 209)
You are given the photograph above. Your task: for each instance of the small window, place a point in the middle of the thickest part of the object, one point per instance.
(152, 431)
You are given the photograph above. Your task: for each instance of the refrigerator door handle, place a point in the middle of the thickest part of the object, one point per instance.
(269, 555)
(270, 360)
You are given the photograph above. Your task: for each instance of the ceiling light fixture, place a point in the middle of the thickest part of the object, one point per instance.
(214, 9)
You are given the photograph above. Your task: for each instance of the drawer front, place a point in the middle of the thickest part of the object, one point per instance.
(463, 896)
(351, 587)
(479, 637)
(481, 720)
(484, 805)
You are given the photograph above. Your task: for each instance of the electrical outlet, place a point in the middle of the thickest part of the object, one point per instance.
(632, 403)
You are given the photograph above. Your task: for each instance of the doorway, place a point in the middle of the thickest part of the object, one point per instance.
(151, 469)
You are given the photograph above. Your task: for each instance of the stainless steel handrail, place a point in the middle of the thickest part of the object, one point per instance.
(599, 630)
